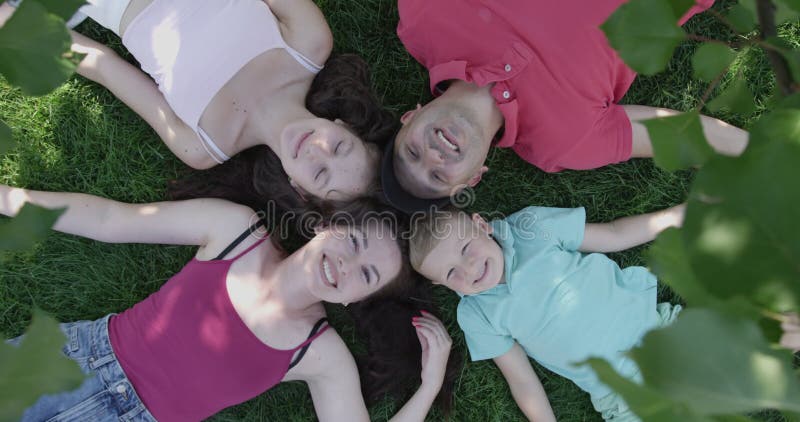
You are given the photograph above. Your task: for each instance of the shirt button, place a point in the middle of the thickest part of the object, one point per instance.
(121, 389)
(506, 94)
(507, 68)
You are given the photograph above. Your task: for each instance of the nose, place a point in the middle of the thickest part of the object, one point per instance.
(434, 157)
(343, 266)
(319, 145)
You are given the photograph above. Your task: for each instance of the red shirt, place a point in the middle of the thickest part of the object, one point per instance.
(556, 79)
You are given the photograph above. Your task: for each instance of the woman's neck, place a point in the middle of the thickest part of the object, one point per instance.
(281, 286)
(266, 125)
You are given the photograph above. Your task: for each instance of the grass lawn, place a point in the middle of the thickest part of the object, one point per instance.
(80, 138)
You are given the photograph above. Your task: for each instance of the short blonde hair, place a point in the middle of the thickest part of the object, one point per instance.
(428, 230)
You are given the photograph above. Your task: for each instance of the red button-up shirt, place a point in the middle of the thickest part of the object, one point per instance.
(556, 79)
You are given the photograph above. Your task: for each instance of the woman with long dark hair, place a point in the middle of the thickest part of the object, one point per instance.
(230, 75)
(239, 318)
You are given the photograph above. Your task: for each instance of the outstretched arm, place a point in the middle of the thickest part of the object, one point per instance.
(525, 385)
(203, 222)
(304, 28)
(139, 92)
(628, 232)
(724, 138)
(333, 379)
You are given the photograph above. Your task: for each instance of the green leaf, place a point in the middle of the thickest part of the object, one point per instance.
(646, 403)
(680, 7)
(742, 18)
(35, 368)
(31, 225)
(711, 59)
(645, 33)
(789, 53)
(678, 141)
(669, 261)
(737, 98)
(62, 8)
(785, 10)
(740, 229)
(35, 49)
(717, 364)
(6, 140)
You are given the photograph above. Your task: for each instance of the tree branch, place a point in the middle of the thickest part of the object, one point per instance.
(766, 19)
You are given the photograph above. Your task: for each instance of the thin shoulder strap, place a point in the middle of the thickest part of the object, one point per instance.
(315, 332)
(250, 230)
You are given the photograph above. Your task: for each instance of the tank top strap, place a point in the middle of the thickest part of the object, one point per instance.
(303, 347)
(250, 230)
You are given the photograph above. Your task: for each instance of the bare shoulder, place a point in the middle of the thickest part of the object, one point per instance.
(304, 28)
(327, 357)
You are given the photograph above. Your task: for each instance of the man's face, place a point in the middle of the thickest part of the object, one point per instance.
(439, 150)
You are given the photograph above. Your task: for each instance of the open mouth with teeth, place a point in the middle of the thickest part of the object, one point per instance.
(447, 142)
(327, 272)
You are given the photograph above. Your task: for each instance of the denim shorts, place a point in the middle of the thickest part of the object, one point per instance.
(106, 395)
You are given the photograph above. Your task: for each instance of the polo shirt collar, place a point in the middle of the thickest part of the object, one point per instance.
(456, 69)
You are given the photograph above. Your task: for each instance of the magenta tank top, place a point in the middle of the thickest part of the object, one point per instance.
(187, 352)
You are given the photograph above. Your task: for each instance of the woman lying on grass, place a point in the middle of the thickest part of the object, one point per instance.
(238, 319)
(532, 286)
(230, 75)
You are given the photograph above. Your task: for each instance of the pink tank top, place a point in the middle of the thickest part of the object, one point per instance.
(187, 352)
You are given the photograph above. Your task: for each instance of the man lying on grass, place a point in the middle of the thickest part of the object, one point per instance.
(533, 75)
(531, 286)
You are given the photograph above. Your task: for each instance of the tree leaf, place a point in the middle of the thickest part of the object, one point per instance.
(669, 261)
(645, 34)
(740, 229)
(785, 10)
(34, 50)
(680, 7)
(678, 141)
(6, 140)
(742, 18)
(62, 8)
(35, 368)
(711, 59)
(31, 225)
(737, 98)
(646, 403)
(717, 364)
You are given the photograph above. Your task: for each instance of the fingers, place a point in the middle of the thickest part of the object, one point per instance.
(791, 340)
(433, 330)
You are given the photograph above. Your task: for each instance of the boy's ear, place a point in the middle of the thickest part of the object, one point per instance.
(481, 223)
(319, 228)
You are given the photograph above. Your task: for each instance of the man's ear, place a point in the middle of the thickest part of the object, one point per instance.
(477, 176)
(408, 115)
(481, 223)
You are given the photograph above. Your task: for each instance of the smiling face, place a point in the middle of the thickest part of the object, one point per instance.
(347, 264)
(465, 259)
(326, 160)
(439, 150)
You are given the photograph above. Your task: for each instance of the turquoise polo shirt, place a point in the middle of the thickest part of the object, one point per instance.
(560, 305)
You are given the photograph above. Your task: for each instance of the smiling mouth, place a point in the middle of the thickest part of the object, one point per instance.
(448, 143)
(301, 142)
(483, 272)
(327, 273)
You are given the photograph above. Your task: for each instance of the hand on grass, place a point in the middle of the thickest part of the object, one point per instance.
(435, 343)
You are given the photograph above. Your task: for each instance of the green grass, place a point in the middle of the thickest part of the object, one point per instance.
(80, 138)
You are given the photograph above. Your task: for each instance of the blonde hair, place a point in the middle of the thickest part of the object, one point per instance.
(428, 230)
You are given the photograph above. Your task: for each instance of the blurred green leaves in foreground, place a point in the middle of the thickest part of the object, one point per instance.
(34, 56)
(736, 260)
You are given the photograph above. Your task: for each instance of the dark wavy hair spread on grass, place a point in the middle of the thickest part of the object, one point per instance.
(255, 176)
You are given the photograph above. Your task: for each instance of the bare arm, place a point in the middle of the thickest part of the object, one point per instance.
(525, 385)
(304, 28)
(628, 232)
(203, 222)
(333, 380)
(139, 92)
(724, 138)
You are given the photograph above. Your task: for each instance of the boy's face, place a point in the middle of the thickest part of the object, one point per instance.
(467, 260)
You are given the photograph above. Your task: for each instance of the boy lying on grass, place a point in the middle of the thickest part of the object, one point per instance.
(529, 288)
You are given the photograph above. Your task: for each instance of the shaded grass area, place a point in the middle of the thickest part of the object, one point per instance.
(80, 138)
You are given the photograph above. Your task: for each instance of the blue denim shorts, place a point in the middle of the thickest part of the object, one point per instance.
(106, 395)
